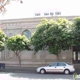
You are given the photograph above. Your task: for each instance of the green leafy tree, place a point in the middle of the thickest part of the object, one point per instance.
(52, 35)
(65, 37)
(17, 44)
(2, 40)
(76, 32)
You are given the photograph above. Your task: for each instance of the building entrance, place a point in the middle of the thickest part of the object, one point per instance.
(76, 54)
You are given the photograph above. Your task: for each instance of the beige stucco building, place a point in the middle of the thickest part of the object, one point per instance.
(19, 26)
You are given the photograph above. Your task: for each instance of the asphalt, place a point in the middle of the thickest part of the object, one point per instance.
(26, 69)
(19, 70)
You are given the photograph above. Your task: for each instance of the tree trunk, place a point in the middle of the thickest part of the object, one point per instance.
(57, 56)
(19, 60)
(18, 56)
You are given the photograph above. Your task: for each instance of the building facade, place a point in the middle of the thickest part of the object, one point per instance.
(27, 26)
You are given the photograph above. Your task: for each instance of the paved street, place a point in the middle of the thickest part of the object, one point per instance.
(14, 73)
(34, 76)
(19, 70)
(25, 69)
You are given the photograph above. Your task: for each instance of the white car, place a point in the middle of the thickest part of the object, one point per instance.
(57, 67)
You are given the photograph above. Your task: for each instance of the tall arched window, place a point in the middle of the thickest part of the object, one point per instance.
(27, 33)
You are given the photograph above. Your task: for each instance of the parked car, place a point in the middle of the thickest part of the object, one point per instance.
(62, 67)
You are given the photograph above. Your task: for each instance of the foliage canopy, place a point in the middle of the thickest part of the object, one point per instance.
(76, 32)
(53, 35)
(2, 40)
(18, 43)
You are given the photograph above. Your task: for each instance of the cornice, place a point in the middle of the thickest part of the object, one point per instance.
(32, 20)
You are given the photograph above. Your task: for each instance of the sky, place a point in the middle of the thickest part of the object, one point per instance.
(28, 8)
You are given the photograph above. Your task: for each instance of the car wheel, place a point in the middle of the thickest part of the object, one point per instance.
(66, 71)
(42, 71)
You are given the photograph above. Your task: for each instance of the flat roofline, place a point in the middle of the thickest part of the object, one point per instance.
(34, 19)
(38, 17)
